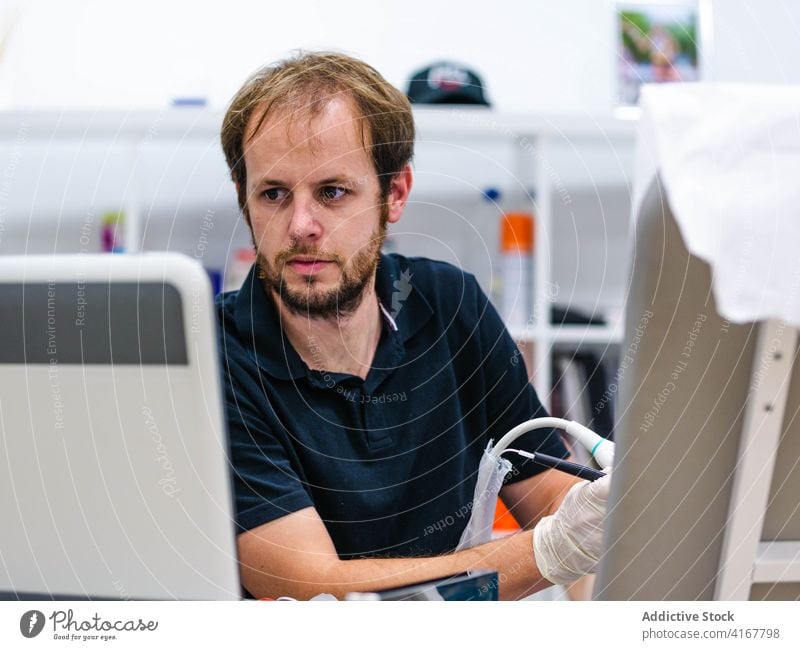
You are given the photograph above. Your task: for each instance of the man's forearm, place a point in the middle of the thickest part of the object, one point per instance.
(512, 558)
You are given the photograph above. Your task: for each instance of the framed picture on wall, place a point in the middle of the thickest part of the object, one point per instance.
(657, 42)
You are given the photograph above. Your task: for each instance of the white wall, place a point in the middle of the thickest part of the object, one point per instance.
(94, 52)
(757, 41)
(544, 55)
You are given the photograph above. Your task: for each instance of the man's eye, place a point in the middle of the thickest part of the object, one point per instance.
(333, 193)
(275, 194)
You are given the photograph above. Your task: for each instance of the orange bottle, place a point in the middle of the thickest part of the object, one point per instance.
(516, 268)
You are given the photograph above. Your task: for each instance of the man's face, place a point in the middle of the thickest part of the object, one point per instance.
(315, 210)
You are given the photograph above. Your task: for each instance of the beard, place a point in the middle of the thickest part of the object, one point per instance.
(313, 300)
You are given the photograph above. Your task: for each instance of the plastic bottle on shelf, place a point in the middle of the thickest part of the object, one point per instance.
(238, 268)
(493, 195)
(516, 268)
(113, 226)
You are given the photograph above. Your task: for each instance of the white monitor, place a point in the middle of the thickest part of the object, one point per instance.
(705, 496)
(114, 475)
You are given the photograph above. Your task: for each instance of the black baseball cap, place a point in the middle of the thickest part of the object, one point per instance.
(446, 82)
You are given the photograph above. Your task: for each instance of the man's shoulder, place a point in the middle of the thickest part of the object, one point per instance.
(440, 282)
(225, 307)
(450, 292)
(428, 267)
(227, 328)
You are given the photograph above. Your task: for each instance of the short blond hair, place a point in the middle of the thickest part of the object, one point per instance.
(306, 83)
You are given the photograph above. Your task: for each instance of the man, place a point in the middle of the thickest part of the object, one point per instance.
(361, 389)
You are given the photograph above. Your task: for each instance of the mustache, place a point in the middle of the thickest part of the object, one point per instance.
(306, 251)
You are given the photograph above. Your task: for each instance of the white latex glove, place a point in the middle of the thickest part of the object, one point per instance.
(568, 544)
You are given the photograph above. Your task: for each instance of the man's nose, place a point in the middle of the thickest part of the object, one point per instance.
(304, 224)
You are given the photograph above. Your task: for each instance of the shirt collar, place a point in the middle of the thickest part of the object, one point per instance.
(401, 300)
(405, 311)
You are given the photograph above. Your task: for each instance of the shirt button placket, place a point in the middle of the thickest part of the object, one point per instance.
(375, 422)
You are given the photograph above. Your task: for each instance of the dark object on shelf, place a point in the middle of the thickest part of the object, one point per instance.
(570, 316)
(446, 82)
(581, 388)
(581, 391)
(601, 407)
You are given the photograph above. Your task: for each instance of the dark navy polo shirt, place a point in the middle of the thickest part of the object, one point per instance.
(389, 462)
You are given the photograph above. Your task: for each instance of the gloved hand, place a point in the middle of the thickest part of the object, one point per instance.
(567, 544)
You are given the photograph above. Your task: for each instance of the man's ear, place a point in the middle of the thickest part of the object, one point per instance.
(399, 189)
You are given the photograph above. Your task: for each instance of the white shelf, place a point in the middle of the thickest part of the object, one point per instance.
(777, 562)
(585, 334)
(178, 123)
(476, 121)
(192, 122)
(525, 334)
(569, 334)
